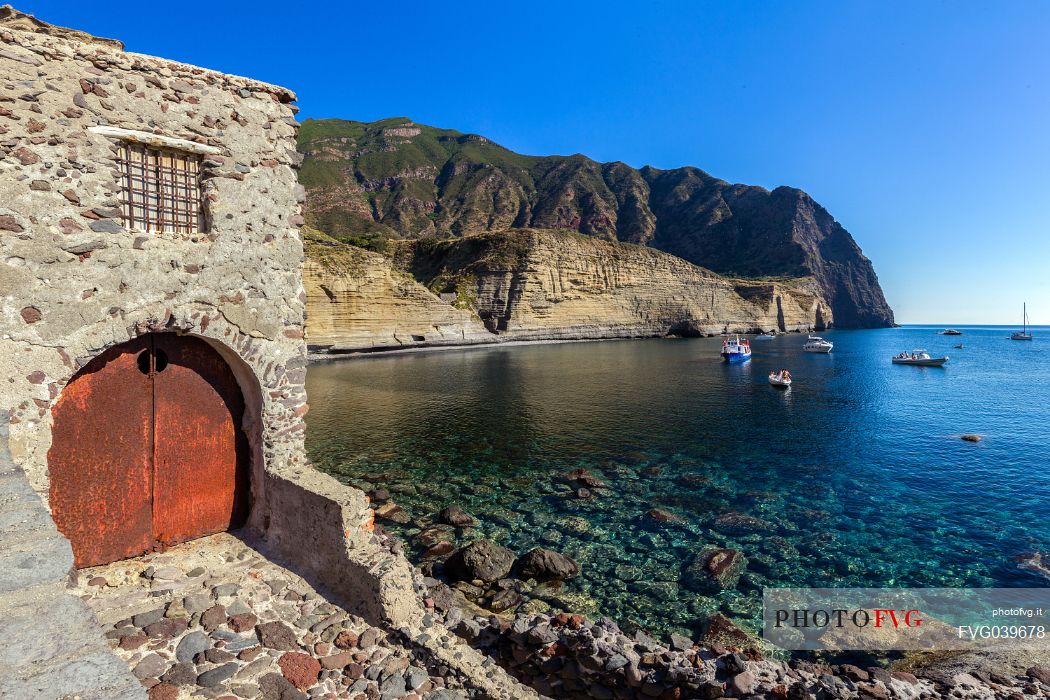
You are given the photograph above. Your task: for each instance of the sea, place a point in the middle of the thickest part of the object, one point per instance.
(854, 476)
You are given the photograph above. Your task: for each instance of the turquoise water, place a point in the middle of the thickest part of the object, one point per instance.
(855, 476)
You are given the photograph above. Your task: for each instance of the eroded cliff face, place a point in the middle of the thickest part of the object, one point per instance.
(358, 301)
(534, 285)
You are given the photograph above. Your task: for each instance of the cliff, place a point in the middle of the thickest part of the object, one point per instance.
(533, 284)
(357, 301)
(375, 183)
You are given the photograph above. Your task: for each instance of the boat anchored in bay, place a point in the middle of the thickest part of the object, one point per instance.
(1022, 334)
(920, 358)
(817, 344)
(736, 350)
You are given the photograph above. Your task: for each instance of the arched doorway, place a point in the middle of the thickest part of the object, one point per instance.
(147, 449)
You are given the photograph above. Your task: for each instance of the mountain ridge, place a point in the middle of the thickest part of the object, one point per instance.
(374, 182)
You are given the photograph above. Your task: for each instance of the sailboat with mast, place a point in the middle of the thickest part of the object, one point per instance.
(1022, 334)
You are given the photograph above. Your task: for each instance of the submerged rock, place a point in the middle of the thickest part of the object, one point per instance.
(455, 516)
(584, 478)
(715, 569)
(438, 550)
(1034, 562)
(655, 515)
(734, 523)
(545, 565)
(392, 512)
(720, 631)
(379, 495)
(434, 535)
(483, 560)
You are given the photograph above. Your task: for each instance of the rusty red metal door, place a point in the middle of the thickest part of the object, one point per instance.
(101, 458)
(147, 449)
(199, 447)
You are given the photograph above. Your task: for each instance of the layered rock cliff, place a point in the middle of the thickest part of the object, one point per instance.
(357, 301)
(529, 285)
(373, 183)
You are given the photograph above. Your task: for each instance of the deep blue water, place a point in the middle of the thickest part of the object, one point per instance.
(856, 474)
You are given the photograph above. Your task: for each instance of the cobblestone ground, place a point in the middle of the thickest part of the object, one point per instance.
(214, 619)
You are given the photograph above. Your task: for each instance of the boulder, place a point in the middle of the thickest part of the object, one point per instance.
(455, 516)
(482, 559)
(504, 600)
(545, 565)
(1039, 673)
(434, 534)
(392, 512)
(743, 684)
(438, 550)
(680, 642)
(714, 569)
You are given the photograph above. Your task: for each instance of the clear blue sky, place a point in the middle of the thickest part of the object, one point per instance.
(924, 127)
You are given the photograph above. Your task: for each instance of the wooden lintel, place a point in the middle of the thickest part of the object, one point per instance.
(155, 140)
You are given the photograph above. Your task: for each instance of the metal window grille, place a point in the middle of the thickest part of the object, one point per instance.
(162, 190)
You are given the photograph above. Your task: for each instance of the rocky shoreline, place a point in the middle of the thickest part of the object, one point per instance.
(563, 654)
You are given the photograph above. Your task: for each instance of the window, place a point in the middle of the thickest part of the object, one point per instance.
(162, 189)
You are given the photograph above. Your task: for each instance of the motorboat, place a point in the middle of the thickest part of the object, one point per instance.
(950, 331)
(1022, 334)
(781, 379)
(958, 346)
(768, 335)
(817, 344)
(736, 350)
(920, 358)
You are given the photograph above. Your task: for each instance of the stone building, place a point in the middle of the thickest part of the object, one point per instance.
(148, 210)
(151, 327)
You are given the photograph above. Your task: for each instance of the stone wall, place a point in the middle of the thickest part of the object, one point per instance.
(35, 564)
(74, 281)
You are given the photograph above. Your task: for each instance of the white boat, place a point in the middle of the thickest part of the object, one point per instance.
(766, 336)
(950, 331)
(817, 344)
(781, 379)
(920, 358)
(1022, 334)
(736, 350)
